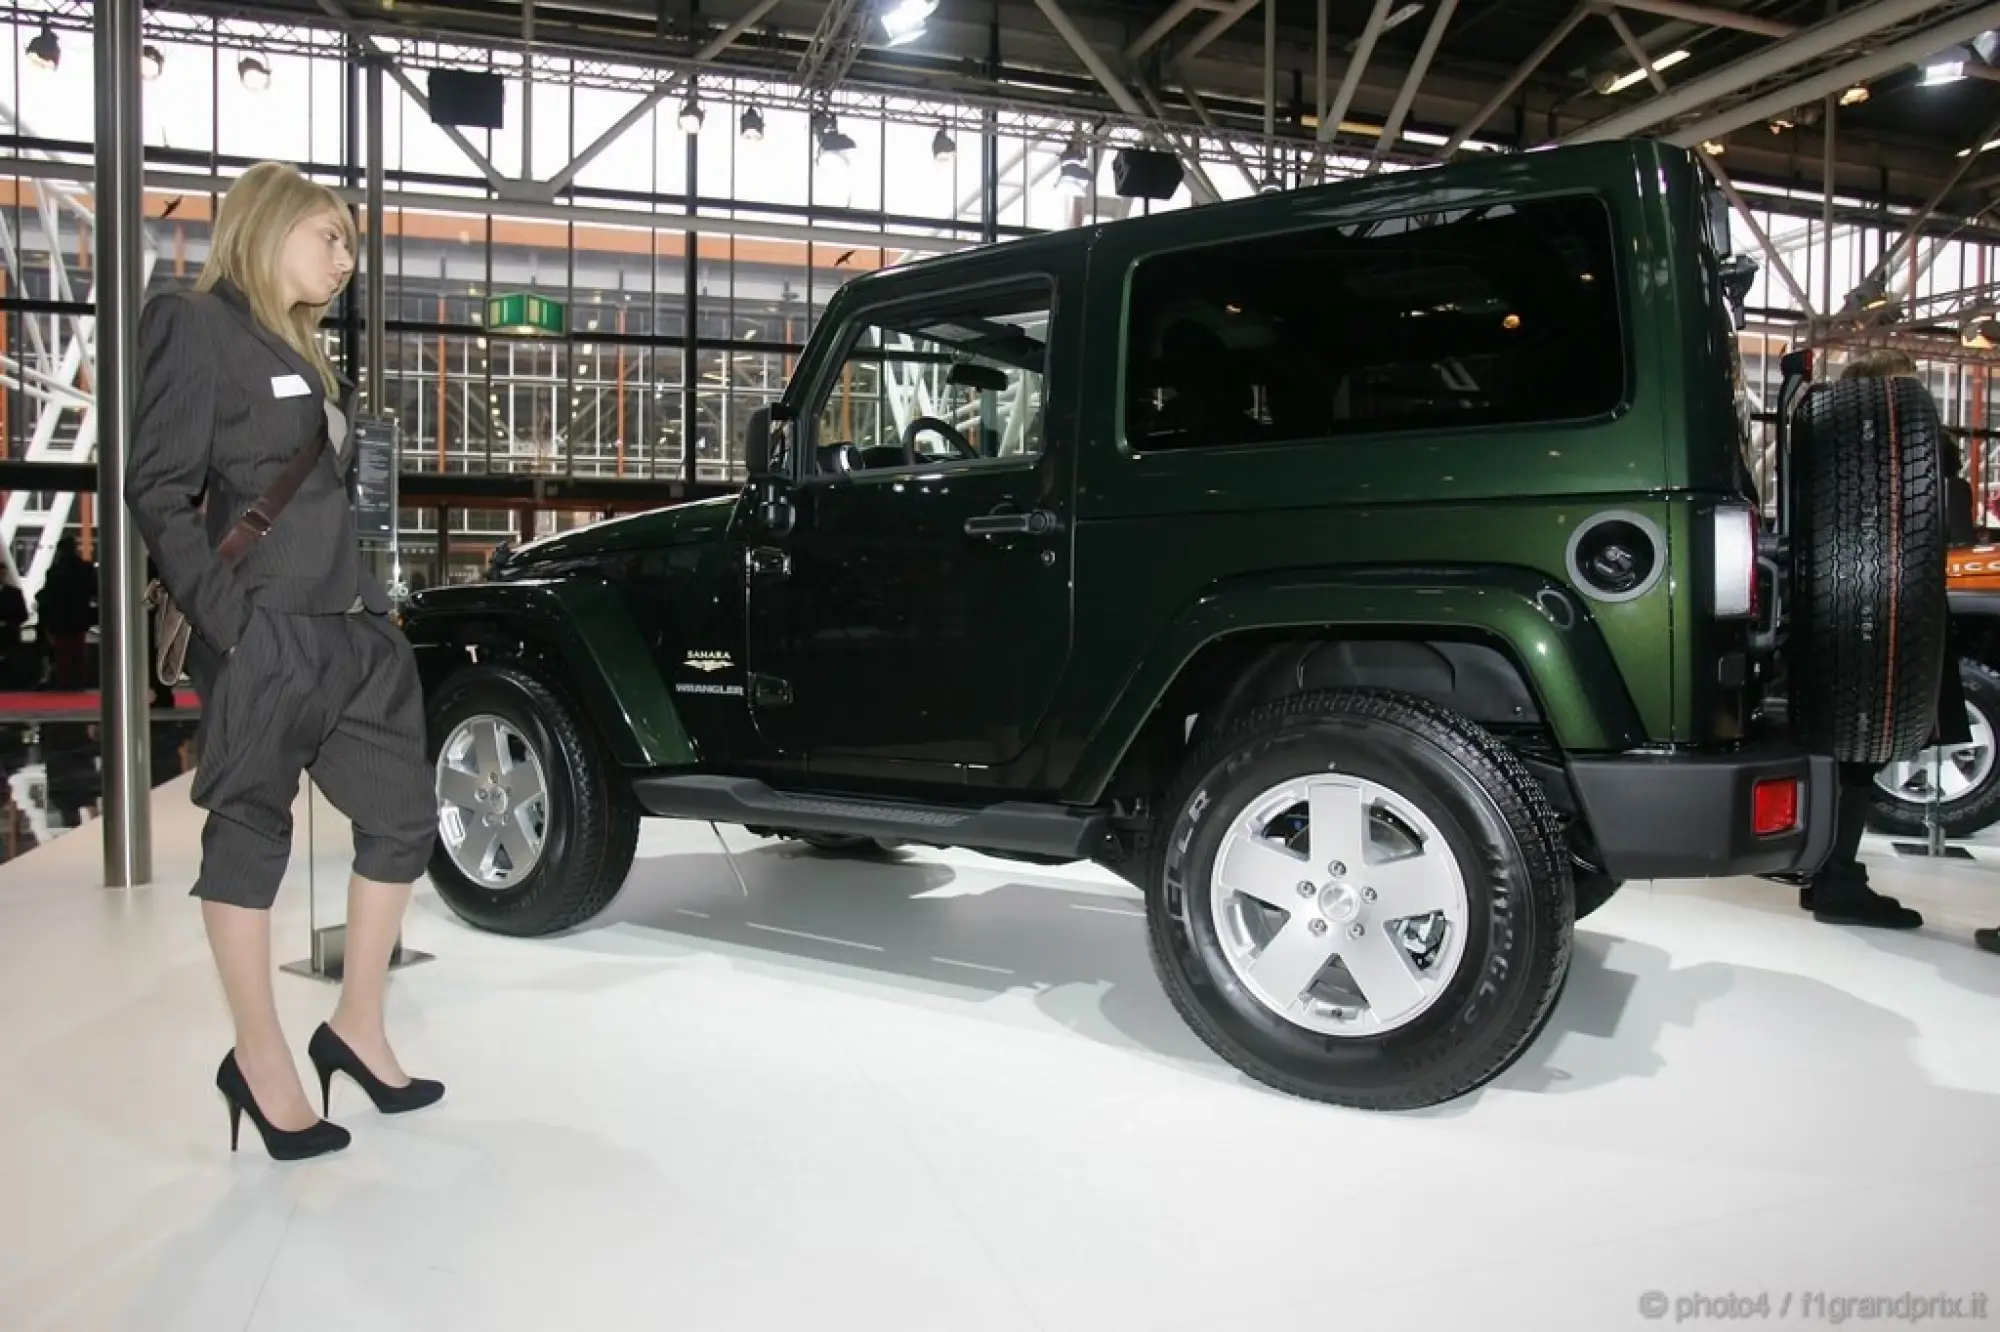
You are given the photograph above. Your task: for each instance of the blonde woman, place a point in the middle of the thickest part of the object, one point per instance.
(298, 669)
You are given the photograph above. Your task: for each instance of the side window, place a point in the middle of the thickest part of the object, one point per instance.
(951, 382)
(1493, 315)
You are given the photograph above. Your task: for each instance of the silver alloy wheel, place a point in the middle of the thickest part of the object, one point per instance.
(1960, 768)
(493, 801)
(1339, 905)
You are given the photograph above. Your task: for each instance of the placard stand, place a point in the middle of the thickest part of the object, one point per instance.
(1934, 846)
(374, 499)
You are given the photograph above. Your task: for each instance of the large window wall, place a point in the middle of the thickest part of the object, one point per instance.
(693, 259)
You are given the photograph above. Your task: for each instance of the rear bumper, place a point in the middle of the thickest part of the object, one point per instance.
(1691, 816)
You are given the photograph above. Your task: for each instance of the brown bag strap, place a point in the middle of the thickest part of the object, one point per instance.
(261, 515)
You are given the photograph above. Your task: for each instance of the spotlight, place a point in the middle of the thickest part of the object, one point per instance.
(1855, 96)
(752, 125)
(151, 62)
(835, 160)
(256, 75)
(1713, 147)
(44, 50)
(692, 115)
(1073, 175)
(942, 148)
(903, 20)
(1271, 185)
(1981, 333)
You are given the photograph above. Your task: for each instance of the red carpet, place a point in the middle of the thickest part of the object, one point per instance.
(32, 702)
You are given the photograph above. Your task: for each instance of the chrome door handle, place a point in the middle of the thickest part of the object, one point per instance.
(1032, 523)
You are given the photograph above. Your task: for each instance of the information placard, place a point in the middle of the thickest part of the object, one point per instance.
(375, 477)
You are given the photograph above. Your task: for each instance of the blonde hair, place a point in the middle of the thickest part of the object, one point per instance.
(251, 226)
(1883, 364)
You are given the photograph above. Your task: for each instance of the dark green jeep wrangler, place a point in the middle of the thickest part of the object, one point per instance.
(1370, 574)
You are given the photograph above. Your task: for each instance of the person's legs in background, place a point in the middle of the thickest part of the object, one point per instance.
(1839, 893)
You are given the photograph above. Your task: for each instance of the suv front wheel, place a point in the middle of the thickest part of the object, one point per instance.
(1361, 898)
(535, 834)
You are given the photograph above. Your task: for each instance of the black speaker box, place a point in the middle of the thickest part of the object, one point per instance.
(468, 97)
(1145, 173)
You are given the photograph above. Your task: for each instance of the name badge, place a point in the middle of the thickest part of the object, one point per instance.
(288, 386)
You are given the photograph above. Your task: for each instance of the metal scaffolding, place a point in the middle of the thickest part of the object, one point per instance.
(56, 369)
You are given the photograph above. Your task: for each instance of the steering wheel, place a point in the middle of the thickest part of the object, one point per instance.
(961, 447)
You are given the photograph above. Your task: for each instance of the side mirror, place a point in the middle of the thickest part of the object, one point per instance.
(765, 455)
(1719, 235)
(757, 444)
(1739, 275)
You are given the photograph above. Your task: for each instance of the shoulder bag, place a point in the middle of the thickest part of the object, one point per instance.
(171, 630)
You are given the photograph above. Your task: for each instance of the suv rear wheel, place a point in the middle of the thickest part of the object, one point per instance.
(1361, 898)
(535, 835)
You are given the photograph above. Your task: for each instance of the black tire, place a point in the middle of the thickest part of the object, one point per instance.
(1495, 822)
(592, 823)
(1971, 811)
(1867, 638)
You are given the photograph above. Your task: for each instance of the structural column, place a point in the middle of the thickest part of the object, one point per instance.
(125, 733)
(373, 279)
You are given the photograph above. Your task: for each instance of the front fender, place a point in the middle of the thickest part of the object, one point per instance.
(585, 630)
(1539, 623)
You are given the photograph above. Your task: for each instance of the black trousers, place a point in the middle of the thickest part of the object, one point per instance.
(336, 696)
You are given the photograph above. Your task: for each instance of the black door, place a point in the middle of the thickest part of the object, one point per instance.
(918, 609)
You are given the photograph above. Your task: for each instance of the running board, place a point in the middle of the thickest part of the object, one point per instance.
(1023, 829)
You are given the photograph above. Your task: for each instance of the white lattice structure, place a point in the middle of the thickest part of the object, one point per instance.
(55, 367)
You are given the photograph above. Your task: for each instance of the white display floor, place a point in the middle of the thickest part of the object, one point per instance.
(947, 1095)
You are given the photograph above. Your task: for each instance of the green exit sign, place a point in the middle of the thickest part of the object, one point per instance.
(526, 315)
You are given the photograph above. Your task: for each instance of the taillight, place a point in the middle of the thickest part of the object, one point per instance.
(1736, 594)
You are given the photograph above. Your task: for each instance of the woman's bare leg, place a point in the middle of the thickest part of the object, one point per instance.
(240, 939)
(374, 920)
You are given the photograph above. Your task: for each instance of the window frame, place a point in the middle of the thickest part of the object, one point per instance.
(1330, 220)
(933, 302)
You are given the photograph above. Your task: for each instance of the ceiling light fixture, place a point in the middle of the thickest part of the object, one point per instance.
(903, 20)
(752, 124)
(692, 115)
(255, 74)
(44, 50)
(1073, 175)
(1624, 81)
(1855, 96)
(942, 148)
(151, 63)
(1946, 67)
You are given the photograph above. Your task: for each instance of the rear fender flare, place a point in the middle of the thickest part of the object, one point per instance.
(1545, 629)
(586, 630)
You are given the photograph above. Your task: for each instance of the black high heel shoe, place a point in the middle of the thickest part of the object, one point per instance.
(331, 1055)
(282, 1144)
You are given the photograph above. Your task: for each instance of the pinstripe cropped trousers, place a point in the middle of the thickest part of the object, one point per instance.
(336, 696)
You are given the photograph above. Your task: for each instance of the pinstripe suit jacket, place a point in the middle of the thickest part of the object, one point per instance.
(220, 412)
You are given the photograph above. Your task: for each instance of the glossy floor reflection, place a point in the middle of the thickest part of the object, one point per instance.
(55, 780)
(938, 1091)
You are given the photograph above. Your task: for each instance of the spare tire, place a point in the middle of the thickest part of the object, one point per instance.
(1867, 639)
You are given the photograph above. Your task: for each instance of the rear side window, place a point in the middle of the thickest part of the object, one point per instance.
(1502, 314)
